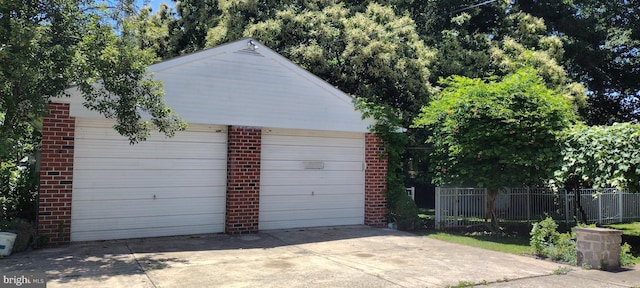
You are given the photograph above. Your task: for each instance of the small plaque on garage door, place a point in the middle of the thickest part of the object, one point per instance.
(313, 165)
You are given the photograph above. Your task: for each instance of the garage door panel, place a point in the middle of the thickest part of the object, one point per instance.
(145, 232)
(317, 201)
(115, 183)
(286, 224)
(195, 133)
(287, 140)
(166, 150)
(304, 153)
(287, 178)
(307, 189)
(280, 132)
(146, 178)
(101, 163)
(148, 222)
(308, 214)
(311, 178)
(302, 165)
(147, 207)
(123, 194)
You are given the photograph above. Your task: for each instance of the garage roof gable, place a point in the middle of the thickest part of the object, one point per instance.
(244, 83)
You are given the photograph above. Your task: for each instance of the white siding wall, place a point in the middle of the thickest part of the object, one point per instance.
(232, 85)
(158, 187)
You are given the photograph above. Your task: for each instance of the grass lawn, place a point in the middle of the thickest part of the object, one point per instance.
(512, 245)
(517, 243)
(631, 235)
(630, 229)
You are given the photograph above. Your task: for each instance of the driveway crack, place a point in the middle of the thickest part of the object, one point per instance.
(140, 266)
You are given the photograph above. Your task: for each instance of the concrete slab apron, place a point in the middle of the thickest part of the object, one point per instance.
(322, 257)
(94, 264)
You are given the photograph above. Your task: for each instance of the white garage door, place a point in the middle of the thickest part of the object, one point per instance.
(311, 179)
(159, 187)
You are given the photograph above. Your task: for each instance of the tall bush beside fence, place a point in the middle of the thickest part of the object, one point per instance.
(456, 207)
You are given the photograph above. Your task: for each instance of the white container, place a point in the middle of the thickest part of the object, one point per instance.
(6, 243)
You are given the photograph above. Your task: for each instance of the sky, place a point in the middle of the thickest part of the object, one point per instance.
(155, 4)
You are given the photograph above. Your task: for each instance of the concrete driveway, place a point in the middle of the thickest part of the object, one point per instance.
(353, 256)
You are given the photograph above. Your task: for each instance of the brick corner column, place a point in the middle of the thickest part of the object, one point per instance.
(375, 207)
(56, 175)
(243, 179)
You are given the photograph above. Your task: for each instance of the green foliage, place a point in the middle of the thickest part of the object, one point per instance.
(400, 208)
(18, 191)
(18, 175)
(626, 258)
(405, 213)
(512, 245)
(562, 270)
(601, 42)
(152, 30)
(496, 133)
(590, 42)
(549, 243)
(604, 156)
(462, 284)
(50, 47)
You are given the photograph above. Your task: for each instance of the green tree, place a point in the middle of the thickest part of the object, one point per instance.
(49, 46)
(602, 43)
(153, 30)
(496, 134)
(603, 156)
(188, 30)
(599, 44)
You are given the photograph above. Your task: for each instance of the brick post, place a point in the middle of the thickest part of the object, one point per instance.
(243, 179)
(375, 202)
(56, 175)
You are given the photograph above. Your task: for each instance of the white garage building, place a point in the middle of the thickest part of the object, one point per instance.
(269, 146)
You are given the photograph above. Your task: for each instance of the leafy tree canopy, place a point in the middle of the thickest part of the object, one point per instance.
(49, 46)
(496, 133)
(593, 43)
(602, 50)
(603, 156)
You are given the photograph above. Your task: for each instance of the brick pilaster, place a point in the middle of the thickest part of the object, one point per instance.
(56, 175)
(375, 202)
(243, 179)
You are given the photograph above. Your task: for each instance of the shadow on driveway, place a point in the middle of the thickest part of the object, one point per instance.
(101, 260)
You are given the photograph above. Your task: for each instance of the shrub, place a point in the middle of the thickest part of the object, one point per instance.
(18, 191)
(547, 242)
(626, 258)
(405, 214)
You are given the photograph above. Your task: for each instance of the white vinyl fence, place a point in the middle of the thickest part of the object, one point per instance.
(457, 207)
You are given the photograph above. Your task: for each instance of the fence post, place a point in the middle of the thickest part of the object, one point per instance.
(600, 209)
(455, 206)
(486, 199)
(528, 204)
(438, 209)
(620, 208)
(566, 206)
